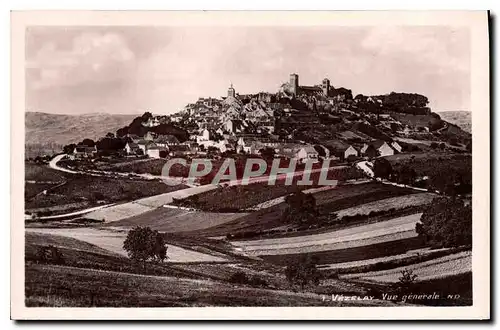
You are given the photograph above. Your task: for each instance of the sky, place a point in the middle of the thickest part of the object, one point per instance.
(130, 70)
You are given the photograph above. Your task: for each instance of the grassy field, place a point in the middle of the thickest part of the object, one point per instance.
(426, 164)
(264, 219)
(177, 220)
(241, 197)
(379, 250)
(43, 173)
(113, 242)
(94, 189)
(388, 204)
(354, 195)
(449, 265)
(339, 236)
(56, 286)
(343, 196)
(150, 166)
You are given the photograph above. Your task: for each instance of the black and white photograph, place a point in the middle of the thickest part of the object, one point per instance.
(226, 162)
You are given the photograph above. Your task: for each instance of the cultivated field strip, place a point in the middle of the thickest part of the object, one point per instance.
(281, 199)
(113, 241)
(173, 220)
(140, 206)
(349, 244)
(453, 264)
(388, 203)
(402, 224)
(368, 262)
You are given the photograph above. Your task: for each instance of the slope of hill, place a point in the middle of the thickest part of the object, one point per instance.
(461, 118)
(63, 129)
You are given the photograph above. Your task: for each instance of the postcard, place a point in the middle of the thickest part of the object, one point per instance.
(250, 165)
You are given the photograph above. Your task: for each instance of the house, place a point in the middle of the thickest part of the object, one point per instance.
(150, 136)
(396, 146)
(157, 152)
(152, 122)
(179, 150)
(84, 152)
(234, 126)
(132, 148)
(341, 150)
(368, 150)
(288, 150)
(205, 135)
(144, 145)
(381, 147)
(307, 153)
(166, 140)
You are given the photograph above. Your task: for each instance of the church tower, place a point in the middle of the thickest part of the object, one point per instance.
(325, 86)
(294, 83)
(231, 91)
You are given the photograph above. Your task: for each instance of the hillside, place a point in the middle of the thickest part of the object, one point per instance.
(462, 119)
(63, 129)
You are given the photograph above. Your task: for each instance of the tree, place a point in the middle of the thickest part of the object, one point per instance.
(143, 244)
(110, 135)
(267, 153)
(406, 282)
(382, 168)
(87, 143)
(301, 208)
(67, 149)
(447, 222)
(303, 271)
(406, 175)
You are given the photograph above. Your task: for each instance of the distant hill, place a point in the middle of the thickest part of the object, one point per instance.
(45, 128)
(462, 119)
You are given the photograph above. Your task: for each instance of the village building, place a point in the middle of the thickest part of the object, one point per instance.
(157, 152)
(144, 145)
(382, 148)
(132, 148)
(396, 146)
(151, 122)
(84, 152)
(234, 126)
(368, 150)
(307, 153)
(166, 140)
(180, 150)
(341, 150)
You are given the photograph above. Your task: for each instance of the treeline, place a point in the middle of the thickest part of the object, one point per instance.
(112, 142)
(410, 103)
(136, 128)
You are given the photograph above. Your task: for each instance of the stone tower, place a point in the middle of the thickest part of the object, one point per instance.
(325, 86)
(294, 83)
(231, 91)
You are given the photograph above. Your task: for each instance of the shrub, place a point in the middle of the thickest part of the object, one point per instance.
(49, 254)
(239, 277)
(303, 272)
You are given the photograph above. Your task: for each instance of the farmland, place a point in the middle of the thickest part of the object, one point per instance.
(241, 197)
(177, 220)
(345, 238)
(388, 204)
(43, 173)
(94, 189)
(113, 241)
(71, 287)
(449, 265)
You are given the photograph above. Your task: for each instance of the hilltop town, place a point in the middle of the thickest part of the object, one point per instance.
(298, 121)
